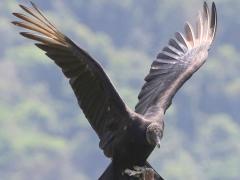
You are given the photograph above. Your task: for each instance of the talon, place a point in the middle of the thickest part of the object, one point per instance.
(138, 172)
(138, 168)
(133, 173)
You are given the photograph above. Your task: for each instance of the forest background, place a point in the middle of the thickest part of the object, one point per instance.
(45, 136)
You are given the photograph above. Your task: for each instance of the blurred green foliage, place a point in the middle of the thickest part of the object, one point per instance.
(43, 133)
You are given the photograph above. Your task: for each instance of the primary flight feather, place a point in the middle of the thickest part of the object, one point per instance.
(127, 136)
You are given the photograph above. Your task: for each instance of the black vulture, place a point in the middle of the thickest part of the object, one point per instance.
(126, 136)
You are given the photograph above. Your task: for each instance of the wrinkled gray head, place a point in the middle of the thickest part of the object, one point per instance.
(154, 134)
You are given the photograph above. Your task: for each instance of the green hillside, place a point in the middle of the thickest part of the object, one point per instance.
(45, 136)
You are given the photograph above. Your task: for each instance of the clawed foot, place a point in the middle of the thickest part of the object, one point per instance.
(139, 172)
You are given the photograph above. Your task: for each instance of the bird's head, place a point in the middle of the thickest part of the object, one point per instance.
(154, 134)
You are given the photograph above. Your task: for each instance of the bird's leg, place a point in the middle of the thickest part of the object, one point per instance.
(143, 173)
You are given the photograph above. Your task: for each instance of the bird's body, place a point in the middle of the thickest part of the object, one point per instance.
(134, 147)
(127, 137)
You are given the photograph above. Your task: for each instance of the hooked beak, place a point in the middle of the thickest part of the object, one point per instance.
(158, 142)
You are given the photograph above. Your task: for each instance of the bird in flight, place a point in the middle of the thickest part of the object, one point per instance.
(126, 136)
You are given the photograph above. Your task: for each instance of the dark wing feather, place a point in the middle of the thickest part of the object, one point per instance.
(97, 97)
(177, 62)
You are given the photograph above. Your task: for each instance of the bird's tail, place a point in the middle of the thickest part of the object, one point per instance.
(111, 173)
(108, 174)
(156, 175)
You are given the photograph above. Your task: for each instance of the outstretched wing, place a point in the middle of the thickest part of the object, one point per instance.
(177, 62)
(96, 96)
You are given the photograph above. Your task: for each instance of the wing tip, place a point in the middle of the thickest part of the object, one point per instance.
(18, 15)
(25, 34)
(214, 5)
(34, 6)
(213, 24)
(23, 7)
(32, 3)
(205, 4)
(214, 11)
(14, 14)
(195, 36)
(206, 10)
(35, 21)
(14, 23)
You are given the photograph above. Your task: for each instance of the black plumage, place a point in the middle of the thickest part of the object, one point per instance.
(126, 136)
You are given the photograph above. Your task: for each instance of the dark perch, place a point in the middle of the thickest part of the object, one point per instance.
(126, 136)
(110, 175)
